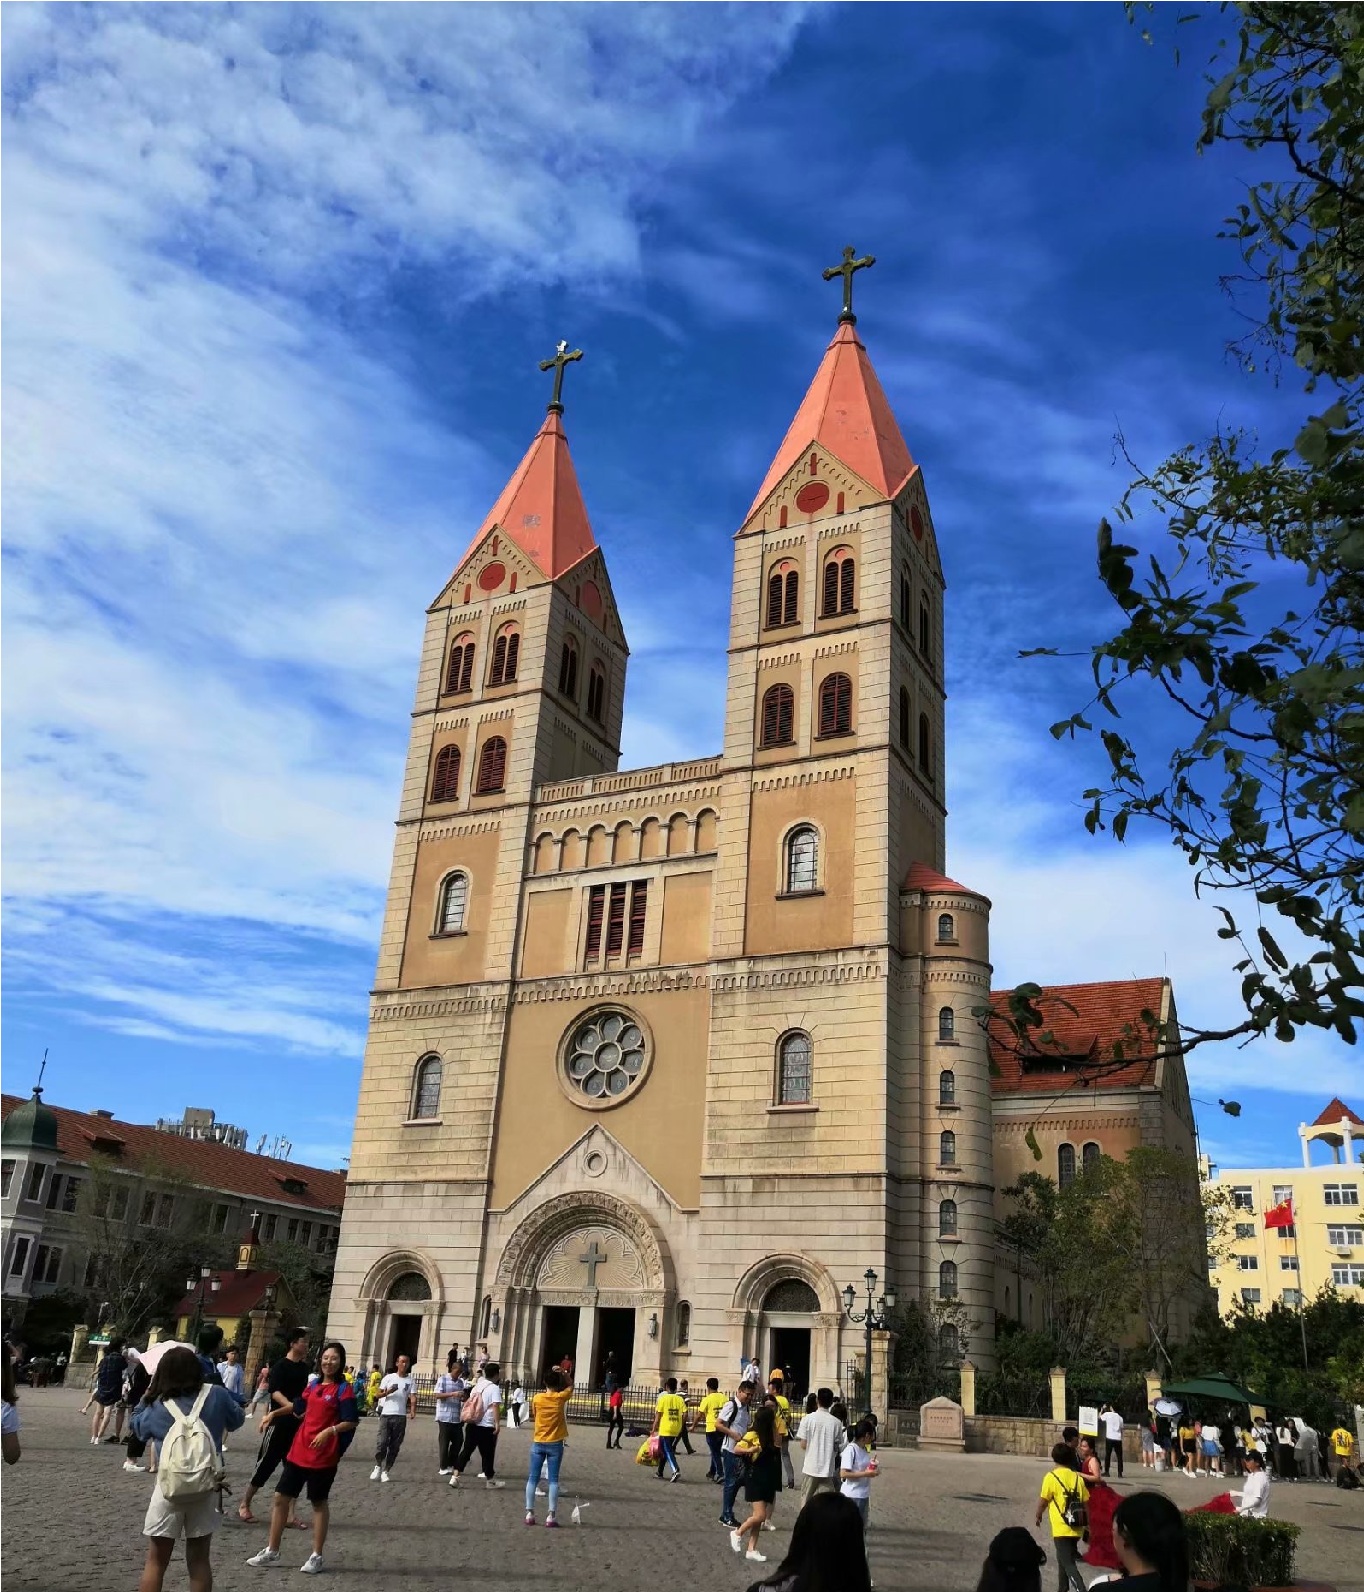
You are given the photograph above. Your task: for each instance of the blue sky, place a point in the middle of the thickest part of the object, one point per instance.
(276, 282)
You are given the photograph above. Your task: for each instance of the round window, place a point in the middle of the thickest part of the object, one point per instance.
(605, 1057)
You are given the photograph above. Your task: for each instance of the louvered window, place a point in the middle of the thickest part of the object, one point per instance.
(847, 574)
(802, 860)
(774, 589)
(778, 717)
(794, 1070)
(568, 671)
(596, 694)
(783, 596)
(639, 913)
(835, 705)
(445, 779)
(596, 911)
(506, 653)
(830, 588)
(904, 718)
(513, 655)
(460, 670)
(492, 765)
(925, 745)
(615, 920)
(454, 897)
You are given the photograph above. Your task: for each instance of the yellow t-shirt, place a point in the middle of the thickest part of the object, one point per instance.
(375, 1377)
(549, 1412)
(783, 1422)
(1342, 1442)
(710, 1407)
(672, 1413)
(1055, 1486)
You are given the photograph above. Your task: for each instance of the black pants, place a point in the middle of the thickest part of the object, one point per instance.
(683, 1441)
(450, 1437)
(392, 1430)
(272, 1451)
(482, 1438)
(616, 1424)
(1112, 1445)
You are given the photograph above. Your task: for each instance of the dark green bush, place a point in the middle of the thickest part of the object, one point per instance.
(1234, 1550)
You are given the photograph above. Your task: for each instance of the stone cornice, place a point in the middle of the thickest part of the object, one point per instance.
(806, 776)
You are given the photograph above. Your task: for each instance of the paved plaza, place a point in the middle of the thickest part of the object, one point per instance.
(72, 1520)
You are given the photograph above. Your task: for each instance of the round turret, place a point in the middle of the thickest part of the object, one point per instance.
(31, 1126)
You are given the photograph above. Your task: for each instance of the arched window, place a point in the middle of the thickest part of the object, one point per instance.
(426, 1088)
(947, 1148)
(506, 655)
(411, 1285)
(1089, 1156)
(947, 1280)
(596, 693)
(783, 596)
(947, 1088)
(802, 859)
(835, 705)
(794, 1070)
(904, 718)
(925, 746)
(454, 897)
(778, 719)
(840, 579)
(947, 928)
(1065, 1165)
(906, 600)
(459, 672)
(485, 1317)
(492, 765)
(683, 1324)
(947, 1219)
(568, 671)
(792, 1296)
(947, 1023)
(445, 778)
(949, 1339)
(925, 630)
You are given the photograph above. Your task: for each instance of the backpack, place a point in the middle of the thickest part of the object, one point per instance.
(472, 1412)
(189, 1466)
(1075, 1512)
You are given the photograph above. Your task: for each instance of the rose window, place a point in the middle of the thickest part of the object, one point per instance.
(606, 1055)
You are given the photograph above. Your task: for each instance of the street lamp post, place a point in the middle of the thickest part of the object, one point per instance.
(199, 1288)
(876, 1316)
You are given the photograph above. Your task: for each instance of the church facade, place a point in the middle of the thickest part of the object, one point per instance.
(661, 1059)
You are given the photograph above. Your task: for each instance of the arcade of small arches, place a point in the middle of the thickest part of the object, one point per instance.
(681, 835)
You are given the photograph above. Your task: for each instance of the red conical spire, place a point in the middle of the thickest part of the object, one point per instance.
(847, 414)
(541, 508)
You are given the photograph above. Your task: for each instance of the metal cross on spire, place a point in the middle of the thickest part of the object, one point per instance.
(846, 270)
(563, 355)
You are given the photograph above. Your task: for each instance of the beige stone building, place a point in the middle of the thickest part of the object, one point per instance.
(660, 1060)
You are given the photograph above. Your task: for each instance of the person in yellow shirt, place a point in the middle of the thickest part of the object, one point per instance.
(549, 1412)
(1343, 1447)
(1064, 1501)
(709, 1407)
(776, 1390)
(670, 1415)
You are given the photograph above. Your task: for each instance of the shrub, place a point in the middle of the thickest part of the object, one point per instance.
(1234, 1550)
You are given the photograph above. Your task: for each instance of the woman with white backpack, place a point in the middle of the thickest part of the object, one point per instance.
(189, 1419)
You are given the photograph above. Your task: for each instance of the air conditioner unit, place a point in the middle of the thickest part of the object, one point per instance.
(1346, 1252)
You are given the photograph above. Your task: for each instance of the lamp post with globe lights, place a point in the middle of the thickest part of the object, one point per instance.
(876, 1318)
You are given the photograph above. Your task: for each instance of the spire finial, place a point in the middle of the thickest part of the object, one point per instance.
(846, 270)
(38, 1087)
(563, 355)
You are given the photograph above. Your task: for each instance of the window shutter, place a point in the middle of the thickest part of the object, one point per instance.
(513, 653)
(466, 669)
(596, 905)
(778, 710)
(639, 911)
(499, 660)
(492, 767)
(445, 780)
(831, 588)
(774, 601)
(835, 705)
(452, 671)
(846, 577)
(792, 607)
(785, 713)
(769, 728)
(826, 705)
(615, 921)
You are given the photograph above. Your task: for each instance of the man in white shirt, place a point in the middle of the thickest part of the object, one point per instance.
(482, 1415)
(1308, 1452)
(820, 1434)
(397, 1405)
(1111, 1421)
(1253, 1499)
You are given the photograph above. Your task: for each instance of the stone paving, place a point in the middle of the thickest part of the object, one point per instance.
(72, 1520)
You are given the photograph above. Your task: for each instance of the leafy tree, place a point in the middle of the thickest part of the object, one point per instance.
(1246, 625)
(308, 1277)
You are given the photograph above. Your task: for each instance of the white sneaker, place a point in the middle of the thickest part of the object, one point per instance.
(375, 1474)
(454, 1478)
(265, 1556)
(132, 1464)
(768, 1526)
(492, 1484)
(757, 1558)
(541, 1493)
(736, 1542)
(312, 1565)
(384, 1476)
(480, 1477)
(448, 1471)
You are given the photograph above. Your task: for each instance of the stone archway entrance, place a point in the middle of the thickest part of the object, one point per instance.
(583, 1277)
(790, 1315)
(403, 1303)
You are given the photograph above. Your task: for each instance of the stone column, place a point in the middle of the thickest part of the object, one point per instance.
(1058, 1394)
(882, 1357)
(968, 1389)
(258, 1343)
(80, 1344)
(154, 1336)
(1152, 1387)
(586, 1347)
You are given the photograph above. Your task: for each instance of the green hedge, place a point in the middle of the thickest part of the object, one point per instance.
(1234, 1550)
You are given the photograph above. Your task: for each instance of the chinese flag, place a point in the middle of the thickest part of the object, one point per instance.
(1280, 1215)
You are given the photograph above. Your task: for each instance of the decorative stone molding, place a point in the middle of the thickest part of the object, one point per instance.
(760, 1279)
(832, 649)
(781, 660)
(606, 986)
(451, 1007)
(385, 1272)
(808, 776)
(445, 726)
(570, 1215)
(446, 831)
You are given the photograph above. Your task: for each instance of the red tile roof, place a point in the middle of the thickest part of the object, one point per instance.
(847, 412)
(541, 508)
(81, 1134)
(922, 877)
(240, 1291)
(1335, 1112)
(1085, 1035)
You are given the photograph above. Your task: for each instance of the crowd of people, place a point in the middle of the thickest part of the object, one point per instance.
(1288, 1449)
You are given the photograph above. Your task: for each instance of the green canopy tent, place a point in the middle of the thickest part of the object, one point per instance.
(1212, 1387)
